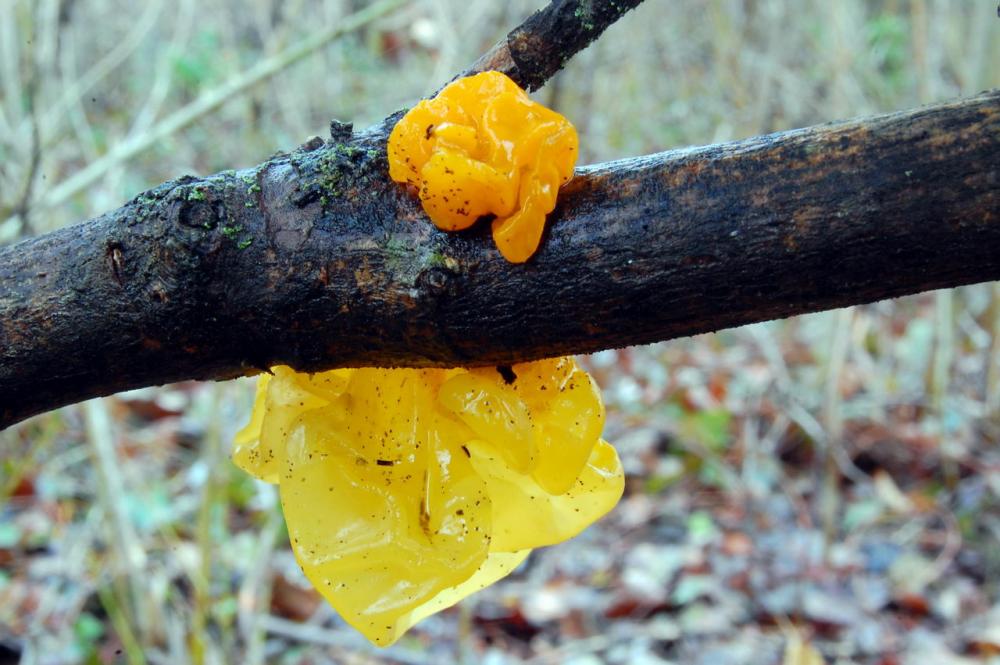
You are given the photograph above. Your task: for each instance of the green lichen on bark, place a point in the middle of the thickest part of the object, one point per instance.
(337, 171)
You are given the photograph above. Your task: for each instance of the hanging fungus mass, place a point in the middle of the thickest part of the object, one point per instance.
(405, 490)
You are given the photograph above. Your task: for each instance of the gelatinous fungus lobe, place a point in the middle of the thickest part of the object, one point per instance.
(406, 490)
(483, 147)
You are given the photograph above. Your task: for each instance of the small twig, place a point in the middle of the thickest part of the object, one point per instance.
(255, 592)
(939, 379)
(212, 100)
(122, 533)
(116, 56)
(213, 502)
(538, 48)
(949, 550)
(342, 639)
(798, 413)
(578, 647)
(120, 621)
(992, 396)
(22, 209)
(162, 79)
(828, 497)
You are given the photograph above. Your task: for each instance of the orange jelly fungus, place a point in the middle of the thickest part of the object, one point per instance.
(406, 490)
(483, 147)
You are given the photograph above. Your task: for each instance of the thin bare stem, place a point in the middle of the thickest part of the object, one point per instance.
(211, 100)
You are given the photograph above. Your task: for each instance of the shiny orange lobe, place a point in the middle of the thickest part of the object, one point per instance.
(483, 147)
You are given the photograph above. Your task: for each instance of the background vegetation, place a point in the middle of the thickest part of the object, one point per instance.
(823, 489)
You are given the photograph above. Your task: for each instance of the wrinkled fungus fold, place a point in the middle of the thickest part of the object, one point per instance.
(405, 490)
(483, 147)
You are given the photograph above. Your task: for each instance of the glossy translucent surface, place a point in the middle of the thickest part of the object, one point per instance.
(483, 147)
(406, 490)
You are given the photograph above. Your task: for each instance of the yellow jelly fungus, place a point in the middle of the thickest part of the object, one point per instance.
(406, 490)
(483, 147)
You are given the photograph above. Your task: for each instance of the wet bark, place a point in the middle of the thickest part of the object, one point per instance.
(315, 259)
(544, 43)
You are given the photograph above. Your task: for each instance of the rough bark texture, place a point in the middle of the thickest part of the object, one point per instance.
(540, 46)
(315, 259)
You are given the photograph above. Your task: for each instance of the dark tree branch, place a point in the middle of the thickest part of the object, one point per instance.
(539, 47)
(530, 54)
(316, 260)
